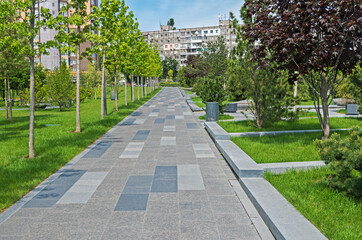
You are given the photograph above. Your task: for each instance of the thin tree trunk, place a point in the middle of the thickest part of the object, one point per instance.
(6, 98)
(295, 95)
(142, 87)
(10, 102)
(77, 98)
(32, 88)
(138, 87)
(115, 88)
(145, 87)
(95, 93)
(125, 91)
(104, 96)
(132, 88)
(31, 109)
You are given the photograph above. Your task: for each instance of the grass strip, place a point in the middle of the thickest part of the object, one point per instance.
(281, 148)
(55, 145)
(337, 216)
(221, 117)
(301, 124)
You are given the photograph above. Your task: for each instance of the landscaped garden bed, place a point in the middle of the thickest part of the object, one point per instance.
(336, 215)
(221, 117)
(301, 124)
(296, 147)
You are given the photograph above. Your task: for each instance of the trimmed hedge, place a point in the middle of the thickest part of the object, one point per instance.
(170, 84)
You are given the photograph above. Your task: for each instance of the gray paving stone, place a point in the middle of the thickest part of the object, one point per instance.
(98, 150)
(141, 135)
(136, 114)
(192, 125)
(132, 202)
(164, 186)
(159, 121)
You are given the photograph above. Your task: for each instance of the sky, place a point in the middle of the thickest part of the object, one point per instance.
(186, 13)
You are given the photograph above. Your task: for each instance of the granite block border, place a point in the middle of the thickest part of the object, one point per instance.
(274, 133)
(26, 198)
(283, 220)
(189, 102)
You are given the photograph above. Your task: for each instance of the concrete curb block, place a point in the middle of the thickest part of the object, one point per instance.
(243, 165)
(26, 198)
(284, 221)
(216, 132)
(193, 106)
(283, 167)
(273, 133)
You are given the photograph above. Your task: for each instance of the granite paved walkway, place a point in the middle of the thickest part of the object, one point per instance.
(157, 175)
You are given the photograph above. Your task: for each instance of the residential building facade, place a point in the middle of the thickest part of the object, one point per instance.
(178, 44)
(55, 56)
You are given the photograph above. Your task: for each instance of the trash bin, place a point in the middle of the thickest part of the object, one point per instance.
(212, 111)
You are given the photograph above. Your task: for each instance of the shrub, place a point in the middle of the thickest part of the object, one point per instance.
(344, 158)
(211, 91)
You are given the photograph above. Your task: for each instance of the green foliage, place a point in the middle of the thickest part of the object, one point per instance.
(170, 74)
(59, 86)
(170, 84)
(351, 87)
(167, 65)
(171, 22)
(215, 56)
(344, 158)
(40, 91)
(265, 86)
(211, 91)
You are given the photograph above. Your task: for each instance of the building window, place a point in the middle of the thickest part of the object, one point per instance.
(211, 31)
(72, 62)
(206, 32)
(176, 45)
(216, 31)
(182, 33)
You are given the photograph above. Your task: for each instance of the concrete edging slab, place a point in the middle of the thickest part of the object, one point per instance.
(283, 167)
(273, 133)
(283, 220)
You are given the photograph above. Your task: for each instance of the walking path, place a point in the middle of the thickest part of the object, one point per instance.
(156, 175)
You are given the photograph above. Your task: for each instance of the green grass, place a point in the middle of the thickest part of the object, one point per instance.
(308, 102)
(342, 111)
(221, 117)
(189, 92)
(307, 114)
(337, 216)
(54, 145)
(301, 124)
(281, 148)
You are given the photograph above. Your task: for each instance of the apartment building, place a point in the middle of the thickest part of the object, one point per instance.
(55, 56)
(178, 44)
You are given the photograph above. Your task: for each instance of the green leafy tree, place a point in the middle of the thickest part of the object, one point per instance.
(266, 88)
(93, 78)
(69, 39)
(211, 90)
(170, 74)
(351, 88)
(59, 86)
(167, 65)
(171, 22)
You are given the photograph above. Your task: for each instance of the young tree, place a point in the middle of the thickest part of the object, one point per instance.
(60, 86)
(169, 64)
(105, 21)
(171, 22)
(25, 24)
(313, 39)
(69, 39)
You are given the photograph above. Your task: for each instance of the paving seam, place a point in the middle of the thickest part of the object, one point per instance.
(27, 197)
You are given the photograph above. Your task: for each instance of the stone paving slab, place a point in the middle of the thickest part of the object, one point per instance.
(155, 187)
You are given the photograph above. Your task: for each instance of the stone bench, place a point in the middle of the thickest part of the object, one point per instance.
(231, 107)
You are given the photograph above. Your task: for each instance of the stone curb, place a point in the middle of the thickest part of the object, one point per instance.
(283, 220)
(273, 133)
(216, 132)
(26, 198)
(243, 165)
(283, 167)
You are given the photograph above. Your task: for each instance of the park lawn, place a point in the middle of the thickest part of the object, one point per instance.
(296, 147)
(308, 102)
(221, 117)
(54, 145)
(301, 124)
(337, 216)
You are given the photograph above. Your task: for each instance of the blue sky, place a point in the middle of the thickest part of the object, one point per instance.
(186, 13)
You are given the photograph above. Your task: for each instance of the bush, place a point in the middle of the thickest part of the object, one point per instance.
(344, 158)
(169, 84)
(211, 91)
